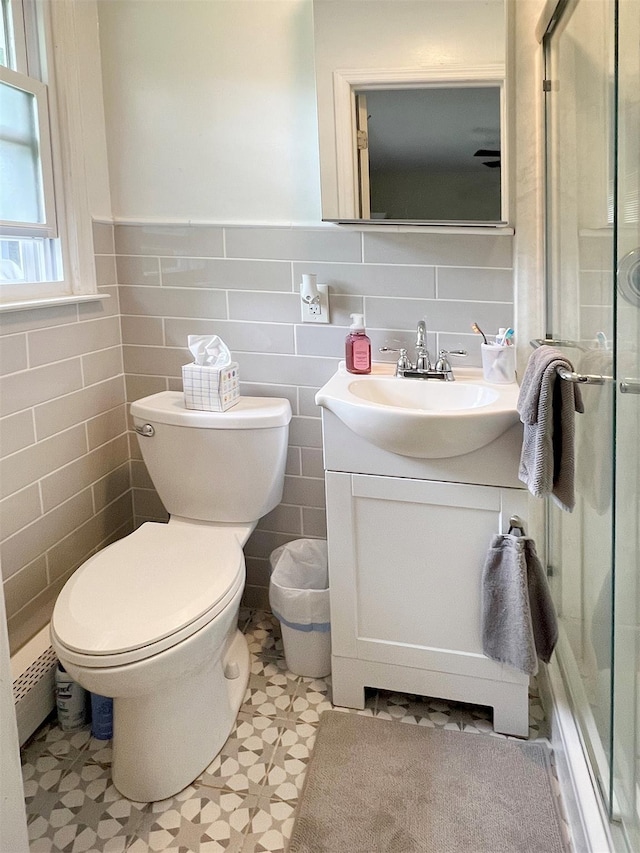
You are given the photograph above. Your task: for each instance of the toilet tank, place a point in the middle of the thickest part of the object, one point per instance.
(215, 466)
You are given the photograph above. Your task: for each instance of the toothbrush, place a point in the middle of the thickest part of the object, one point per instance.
(476, 328)
(505, 338)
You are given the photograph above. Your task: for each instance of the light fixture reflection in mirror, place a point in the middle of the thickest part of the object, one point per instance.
(429, 154)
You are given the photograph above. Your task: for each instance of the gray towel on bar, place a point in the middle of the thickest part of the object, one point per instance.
(519, 622)
(547, 406)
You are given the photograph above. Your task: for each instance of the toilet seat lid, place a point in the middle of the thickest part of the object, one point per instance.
(146, 587)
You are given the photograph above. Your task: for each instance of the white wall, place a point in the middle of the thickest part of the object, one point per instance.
(210, 110)
(408, 33)
(92, 124)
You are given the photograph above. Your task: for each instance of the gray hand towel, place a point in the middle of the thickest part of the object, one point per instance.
(547, 405)
(518, 617)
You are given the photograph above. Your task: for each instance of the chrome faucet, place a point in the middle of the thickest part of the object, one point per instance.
(422, 368)
(423, 360)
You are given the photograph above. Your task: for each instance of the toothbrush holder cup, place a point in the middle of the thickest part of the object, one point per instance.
(498, 363)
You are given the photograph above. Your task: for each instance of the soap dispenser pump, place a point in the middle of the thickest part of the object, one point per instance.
(357, 347)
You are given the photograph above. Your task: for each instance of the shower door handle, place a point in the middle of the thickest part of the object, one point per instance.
(630, 386)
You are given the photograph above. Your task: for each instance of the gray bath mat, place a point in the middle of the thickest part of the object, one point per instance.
(375, 786)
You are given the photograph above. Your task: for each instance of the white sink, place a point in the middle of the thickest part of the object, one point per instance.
(422, 418)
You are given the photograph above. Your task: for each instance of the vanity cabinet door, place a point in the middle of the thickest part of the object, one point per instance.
(405, 568)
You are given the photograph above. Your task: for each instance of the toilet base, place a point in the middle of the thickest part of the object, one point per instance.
(165, 740)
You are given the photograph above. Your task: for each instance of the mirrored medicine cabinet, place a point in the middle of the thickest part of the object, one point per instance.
(423, 145)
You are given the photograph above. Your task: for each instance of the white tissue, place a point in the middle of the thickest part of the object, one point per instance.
(209, 351)
(211, 382)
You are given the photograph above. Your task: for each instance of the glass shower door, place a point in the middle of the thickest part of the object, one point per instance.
(626, 718)
(580, 113)
(593, 302)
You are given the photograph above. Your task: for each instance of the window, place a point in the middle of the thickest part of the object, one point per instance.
(38, 214)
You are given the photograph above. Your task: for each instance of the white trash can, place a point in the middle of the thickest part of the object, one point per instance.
(299, 598)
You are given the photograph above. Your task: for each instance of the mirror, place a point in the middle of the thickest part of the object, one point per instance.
(403, 141)
(429, 154)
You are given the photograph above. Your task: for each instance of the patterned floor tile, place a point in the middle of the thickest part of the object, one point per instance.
(51, 740)
(244, 760)
(271, 689)
(41, 777)
(264, 636)
(414, 709)
(199, 819)
(288, 767)
(245, 799)
(88, 812)
(270, 827)
(313, 696)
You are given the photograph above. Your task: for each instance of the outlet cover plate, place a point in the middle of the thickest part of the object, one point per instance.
(310, 315)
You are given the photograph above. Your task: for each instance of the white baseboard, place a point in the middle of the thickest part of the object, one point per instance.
(584, 807)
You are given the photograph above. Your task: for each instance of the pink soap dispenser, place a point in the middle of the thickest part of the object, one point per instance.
(357, 347)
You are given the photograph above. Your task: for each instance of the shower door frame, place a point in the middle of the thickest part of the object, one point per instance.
(603, 761)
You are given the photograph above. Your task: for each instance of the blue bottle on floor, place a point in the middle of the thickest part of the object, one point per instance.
(101, 717)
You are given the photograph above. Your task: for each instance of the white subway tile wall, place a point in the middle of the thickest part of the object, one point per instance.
(241, 283)
(65, 485)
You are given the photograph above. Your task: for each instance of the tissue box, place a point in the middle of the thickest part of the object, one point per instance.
(211, 389)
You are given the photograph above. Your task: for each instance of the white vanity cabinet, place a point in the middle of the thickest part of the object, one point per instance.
(407, 543)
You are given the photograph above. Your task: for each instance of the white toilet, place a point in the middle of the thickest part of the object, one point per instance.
(152, 619)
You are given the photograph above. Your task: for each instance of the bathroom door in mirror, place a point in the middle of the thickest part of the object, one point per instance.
(429, 154)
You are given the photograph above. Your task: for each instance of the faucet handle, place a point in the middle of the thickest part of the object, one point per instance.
(443, 364)
(460, 352)
(403, 361)
(442, 357)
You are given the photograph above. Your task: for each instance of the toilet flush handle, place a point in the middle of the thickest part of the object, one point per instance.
(146, 430)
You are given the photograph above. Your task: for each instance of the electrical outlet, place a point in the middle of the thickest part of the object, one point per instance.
(317, 312)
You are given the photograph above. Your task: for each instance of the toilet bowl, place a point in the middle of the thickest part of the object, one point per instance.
(152, 619)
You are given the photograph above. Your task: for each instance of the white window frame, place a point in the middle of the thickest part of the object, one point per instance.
(50, 44)
(48, 228)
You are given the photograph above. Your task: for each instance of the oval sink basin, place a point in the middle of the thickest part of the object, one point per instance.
(427, 396)
(425, 419)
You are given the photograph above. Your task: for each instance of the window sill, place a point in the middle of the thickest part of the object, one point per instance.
(47, 301)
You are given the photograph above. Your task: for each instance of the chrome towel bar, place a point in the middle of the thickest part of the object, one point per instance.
(556, 342)
(627, 386)
(568, 375)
